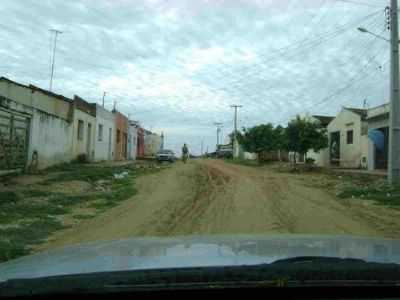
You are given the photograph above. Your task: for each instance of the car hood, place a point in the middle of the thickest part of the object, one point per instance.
(194, 251)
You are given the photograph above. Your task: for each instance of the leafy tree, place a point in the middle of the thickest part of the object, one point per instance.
(302, 135)
(262, 138)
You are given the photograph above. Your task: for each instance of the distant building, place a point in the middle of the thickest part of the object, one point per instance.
(133, 139)
(152, 143)
(140, 142)
(84, 123)
(121, 136)
(105, 131)
(35, 127)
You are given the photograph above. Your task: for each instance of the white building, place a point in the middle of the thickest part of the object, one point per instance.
(348, 139)
(104, 139)
(84, 123)
(152, 143)
(35, 127)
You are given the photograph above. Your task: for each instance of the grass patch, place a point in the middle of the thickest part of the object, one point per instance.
(83, 217)
(70, 200)
(34, 193)
(85, 172)
(367, 188)
(246, 162)
(16, 241)
(8, 197)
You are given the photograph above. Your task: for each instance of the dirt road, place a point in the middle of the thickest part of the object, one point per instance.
(216, 197)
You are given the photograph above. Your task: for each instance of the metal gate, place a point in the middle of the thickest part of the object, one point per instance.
(14, 139)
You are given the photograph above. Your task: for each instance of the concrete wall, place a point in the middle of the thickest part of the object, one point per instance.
(140, 143)
(132, 141)
(121, 126)
(86, 143)
(152, 144)
(50, 126)
(350, 154)
(104, 144)
(321, 157)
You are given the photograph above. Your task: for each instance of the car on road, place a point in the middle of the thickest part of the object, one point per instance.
(165, 155)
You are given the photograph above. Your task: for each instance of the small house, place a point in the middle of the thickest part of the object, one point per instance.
(105, 131)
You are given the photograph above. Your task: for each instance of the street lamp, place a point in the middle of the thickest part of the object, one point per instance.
(364, 30)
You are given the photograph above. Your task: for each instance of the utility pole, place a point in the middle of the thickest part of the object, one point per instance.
(394, 115)
(235, 143)
(219, 126)
(201, 152)
(104, 95)
(56, 33)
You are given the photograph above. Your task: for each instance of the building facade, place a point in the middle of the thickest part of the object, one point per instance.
(35, 127)
(348, 139)
(140, 143)
(121, 136)
(105, 130)
(84, 129)
(152, 143)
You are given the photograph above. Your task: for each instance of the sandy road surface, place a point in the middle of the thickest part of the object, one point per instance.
(215, 197)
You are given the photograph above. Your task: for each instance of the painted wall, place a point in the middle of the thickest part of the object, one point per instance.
(132, 140)
(105, 140)
(84, 144)
(50, 126)
(351, 155)
(140, 143)
(121, 136)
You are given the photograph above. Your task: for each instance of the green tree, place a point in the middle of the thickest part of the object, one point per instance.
(302, 135)
(262, 138)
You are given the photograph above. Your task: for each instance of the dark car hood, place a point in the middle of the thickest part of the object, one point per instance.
(195, 251)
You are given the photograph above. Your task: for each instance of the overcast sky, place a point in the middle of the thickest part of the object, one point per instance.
(178, 65)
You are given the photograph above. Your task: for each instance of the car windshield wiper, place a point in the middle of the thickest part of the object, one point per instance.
(289, 272)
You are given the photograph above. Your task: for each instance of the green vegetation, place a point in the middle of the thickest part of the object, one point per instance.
(29, 215)
(8, 197)
(365, 188)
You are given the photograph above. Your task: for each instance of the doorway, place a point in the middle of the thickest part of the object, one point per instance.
(334, 148)
(88, 141)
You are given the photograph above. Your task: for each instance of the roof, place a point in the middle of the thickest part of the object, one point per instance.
(324, 120)
(359, 111)
(35, 88)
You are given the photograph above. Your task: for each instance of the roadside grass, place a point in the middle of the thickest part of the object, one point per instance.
(29, 215)
(246, 162)
(364, 187)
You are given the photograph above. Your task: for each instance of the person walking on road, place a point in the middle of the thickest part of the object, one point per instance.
(185, 153)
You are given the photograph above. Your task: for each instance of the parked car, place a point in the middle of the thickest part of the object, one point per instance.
(165, 155)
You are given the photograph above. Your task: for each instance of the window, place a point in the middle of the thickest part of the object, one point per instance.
(80, 130)
(349, 136)
(100, 133)
(118, 135)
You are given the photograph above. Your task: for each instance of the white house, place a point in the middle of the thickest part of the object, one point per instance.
(104, 139)
(348, 139)
(35, 127)
(84, 123)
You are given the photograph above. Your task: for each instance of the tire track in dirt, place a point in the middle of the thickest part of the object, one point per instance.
(214, 197)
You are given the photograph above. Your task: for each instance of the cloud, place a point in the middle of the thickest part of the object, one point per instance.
(179, 64)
